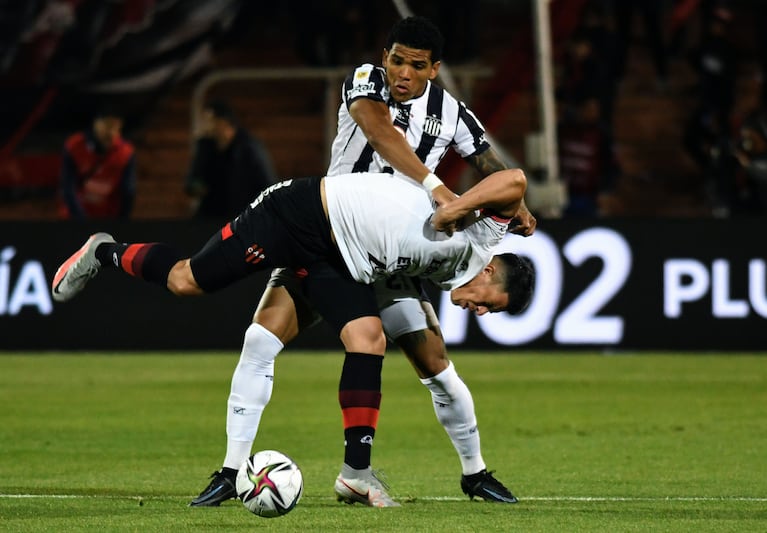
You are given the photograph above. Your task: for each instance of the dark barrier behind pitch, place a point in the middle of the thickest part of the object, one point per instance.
(616, 284)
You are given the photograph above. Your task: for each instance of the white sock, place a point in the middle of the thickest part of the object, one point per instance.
(454, 407)
(252, 384)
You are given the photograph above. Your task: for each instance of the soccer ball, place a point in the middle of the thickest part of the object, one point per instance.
(269, 484)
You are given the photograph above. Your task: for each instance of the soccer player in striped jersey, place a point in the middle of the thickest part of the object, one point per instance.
(392, 119)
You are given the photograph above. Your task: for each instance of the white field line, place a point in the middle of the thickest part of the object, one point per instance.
(429, 498)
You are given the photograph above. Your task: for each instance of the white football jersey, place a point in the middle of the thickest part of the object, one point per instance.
(381, 225)
(431, 123)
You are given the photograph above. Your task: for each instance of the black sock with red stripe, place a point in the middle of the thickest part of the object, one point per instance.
(149, 261)
(359, 394)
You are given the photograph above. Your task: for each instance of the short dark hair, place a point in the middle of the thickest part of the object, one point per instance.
(222, 110)
(519, 281)
(419, 33)
(109, 110)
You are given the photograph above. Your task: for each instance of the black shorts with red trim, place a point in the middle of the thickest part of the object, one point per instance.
(286, 227)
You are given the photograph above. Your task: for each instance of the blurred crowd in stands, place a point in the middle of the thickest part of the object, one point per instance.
(691, 35)
(51, 49)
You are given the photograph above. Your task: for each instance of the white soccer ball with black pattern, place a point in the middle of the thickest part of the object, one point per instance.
(269, 484)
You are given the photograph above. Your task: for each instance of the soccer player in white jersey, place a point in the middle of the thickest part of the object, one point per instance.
(392, 119)
(323, 224)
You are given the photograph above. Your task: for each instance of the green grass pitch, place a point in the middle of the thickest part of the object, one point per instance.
(650, 442)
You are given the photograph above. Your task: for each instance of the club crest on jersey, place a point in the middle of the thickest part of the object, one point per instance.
(403, 114)
(254, 254)
(432, 126)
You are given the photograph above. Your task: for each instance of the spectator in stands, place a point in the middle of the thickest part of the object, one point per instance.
(596, 32)
(708, 133)
(98, 171)
(587, 161)
(585, 68)
(652, 19)
(585, 92)
(230, 167)
(760, 37)
(684, 12)
(328, 32)
(751, 153)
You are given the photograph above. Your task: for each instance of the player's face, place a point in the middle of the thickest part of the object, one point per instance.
(408, 70)
(108, 130)
(481, 295)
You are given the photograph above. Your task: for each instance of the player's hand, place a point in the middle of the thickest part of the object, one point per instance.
(523, 223)
(443, 196)
(442, 221)
(445, 219)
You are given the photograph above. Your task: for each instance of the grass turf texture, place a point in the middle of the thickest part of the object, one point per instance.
(122, 442)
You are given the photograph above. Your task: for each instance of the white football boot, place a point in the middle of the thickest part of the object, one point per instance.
(74, 273)
(367, 489)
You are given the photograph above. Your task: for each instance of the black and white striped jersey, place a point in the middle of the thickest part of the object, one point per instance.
(432, 123)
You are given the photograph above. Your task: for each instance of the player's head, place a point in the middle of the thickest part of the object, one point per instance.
(519, 281)
(218, 122)
(220, 110)
(506, 284)
(107, 125)
(412, 57)
(419, 33)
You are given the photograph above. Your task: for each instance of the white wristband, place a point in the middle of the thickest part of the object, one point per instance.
(431, 182)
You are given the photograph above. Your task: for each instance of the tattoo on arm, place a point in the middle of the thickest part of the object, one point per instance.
(487, 162)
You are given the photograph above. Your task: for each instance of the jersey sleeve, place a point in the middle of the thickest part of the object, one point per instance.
(470, 138)
(366, 81)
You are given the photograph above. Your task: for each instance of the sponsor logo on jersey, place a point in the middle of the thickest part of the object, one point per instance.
(403, 263)
(379, 267)
(360, 90)
(432, 126)
(266, 192)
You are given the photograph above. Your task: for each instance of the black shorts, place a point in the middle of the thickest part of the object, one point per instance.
(286, 227)
(388, 291)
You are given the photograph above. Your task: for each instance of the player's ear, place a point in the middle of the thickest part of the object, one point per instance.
(434, 70)
(384, 56)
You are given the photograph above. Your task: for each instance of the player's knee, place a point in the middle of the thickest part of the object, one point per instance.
(181, 281)
(364, 335)
(277, 314)
(425, 350)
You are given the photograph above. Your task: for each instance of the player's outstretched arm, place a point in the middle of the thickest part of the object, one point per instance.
(501, 191)
(374, 120)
